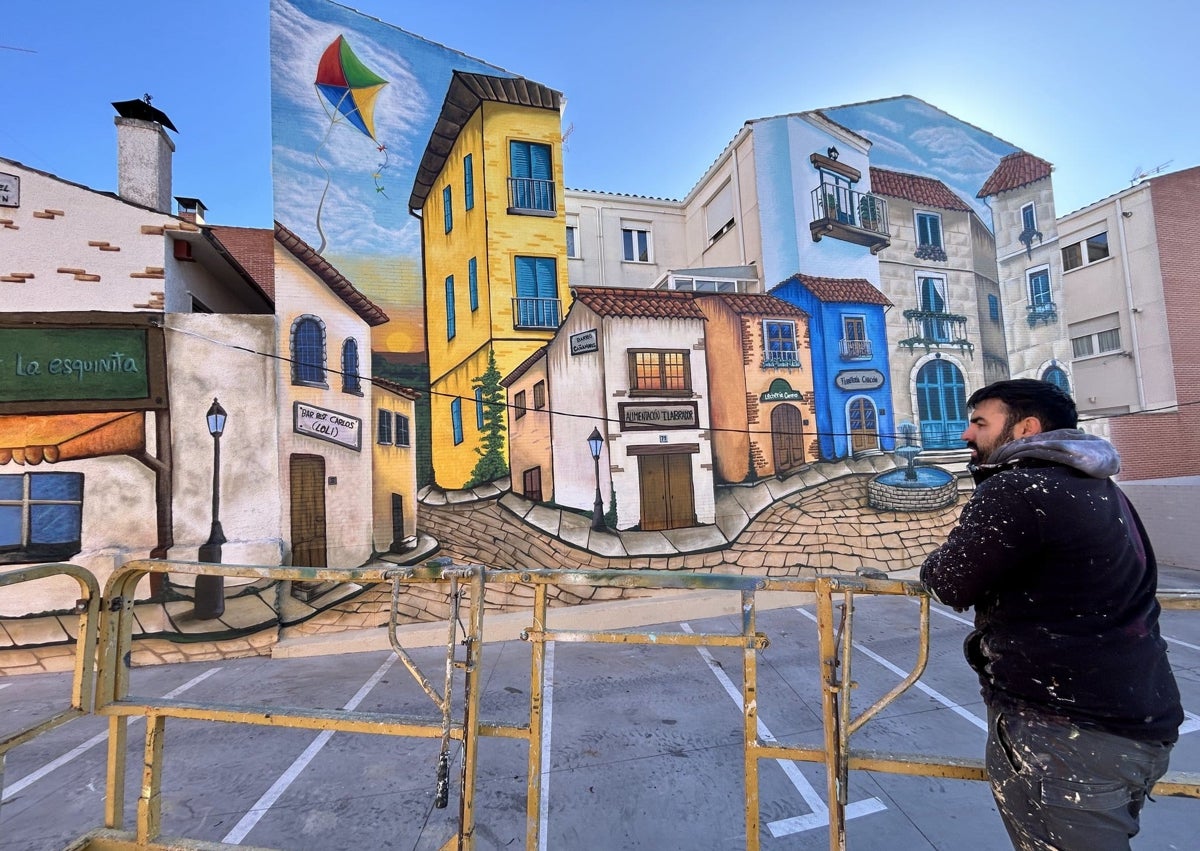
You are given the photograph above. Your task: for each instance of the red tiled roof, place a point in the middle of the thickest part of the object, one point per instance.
(1014, 171)
(392, 387)
(254, 250)
(927, 191)
(755, 304)
(662, 304)
(367, 310)
(858, 290)
(523, 367)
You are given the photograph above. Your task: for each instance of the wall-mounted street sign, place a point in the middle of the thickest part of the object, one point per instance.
(10, 190)
(657, 416)
(584, 342)
(859, 379)
(342, 429)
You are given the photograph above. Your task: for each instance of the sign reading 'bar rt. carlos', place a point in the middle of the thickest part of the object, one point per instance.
(657, 416)
(341, 429)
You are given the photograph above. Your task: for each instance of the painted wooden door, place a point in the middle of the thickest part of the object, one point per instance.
(397, 523)
(864, 433)
(787, 436)
(668, 499)
(308, 511)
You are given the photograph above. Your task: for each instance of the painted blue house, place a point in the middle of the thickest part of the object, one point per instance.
(851, 378)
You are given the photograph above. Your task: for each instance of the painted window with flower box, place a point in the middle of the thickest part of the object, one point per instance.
(779, 344)
(929, 237)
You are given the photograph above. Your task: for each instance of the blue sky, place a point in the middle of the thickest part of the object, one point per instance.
(654, 89)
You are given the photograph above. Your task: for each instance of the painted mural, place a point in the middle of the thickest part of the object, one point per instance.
(436, 322)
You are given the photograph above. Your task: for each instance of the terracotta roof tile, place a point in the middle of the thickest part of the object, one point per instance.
(1014, 171)
(857, 290)
(367, 310)
(254, 250)
(927, 191)
(399, 389)
(662, 304)
(755, 304)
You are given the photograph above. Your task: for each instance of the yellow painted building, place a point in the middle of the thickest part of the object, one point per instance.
(489, 194)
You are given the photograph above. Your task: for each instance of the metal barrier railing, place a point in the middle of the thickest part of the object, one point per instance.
(88, 608)
(835, 638)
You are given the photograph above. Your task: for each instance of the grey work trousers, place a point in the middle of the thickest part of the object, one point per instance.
(1065, 788)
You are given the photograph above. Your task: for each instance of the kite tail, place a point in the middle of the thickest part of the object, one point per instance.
(325, 191)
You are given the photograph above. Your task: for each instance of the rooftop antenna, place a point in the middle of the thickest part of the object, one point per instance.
(567, 135)
(1141, 174)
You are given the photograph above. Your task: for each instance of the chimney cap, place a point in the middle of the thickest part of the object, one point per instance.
(143, 110)
(186, 203)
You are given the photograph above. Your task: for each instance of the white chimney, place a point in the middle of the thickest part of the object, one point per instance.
(144, 163)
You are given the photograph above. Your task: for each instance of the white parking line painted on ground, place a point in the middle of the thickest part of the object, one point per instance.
(936, 695)
(5, 685)
(547, 714)
(819, 817)
(263, 804)
(99, 738)
(1181, 643)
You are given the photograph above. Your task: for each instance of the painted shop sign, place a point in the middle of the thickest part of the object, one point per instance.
(584, 342)
(859, 379)
(342, 429)
(42, 364)
(656, 416)
(10, 190)
(781, 391)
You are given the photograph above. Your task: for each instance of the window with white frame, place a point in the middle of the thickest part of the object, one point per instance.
(719, 213)
(573, 238)
(1028, 219)
(1101, 343)
(855, 344)
(635, 242)
(1039, 287)
(929, 236)
(779, 343)
(1090, 250)
(660, 372)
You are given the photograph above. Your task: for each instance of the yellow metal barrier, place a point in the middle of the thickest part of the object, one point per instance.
(88, 607)
(835, 610)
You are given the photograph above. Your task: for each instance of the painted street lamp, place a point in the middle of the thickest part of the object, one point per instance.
(595, 444)
(210, 590)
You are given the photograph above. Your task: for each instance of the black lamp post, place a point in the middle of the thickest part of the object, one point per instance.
(595, 444)
(210, 590)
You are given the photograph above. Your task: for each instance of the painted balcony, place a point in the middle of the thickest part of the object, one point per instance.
(855, 349)
(935, 329)
(857, 217)
(529, 196)
(536, 313)
(1044, 313)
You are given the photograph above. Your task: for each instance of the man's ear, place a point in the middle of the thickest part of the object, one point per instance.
(1028, 426)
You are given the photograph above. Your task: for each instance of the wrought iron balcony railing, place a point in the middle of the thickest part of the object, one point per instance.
(932, 328)
(843, 213)
(539, 313)
(855, 349)
(1045, 312)
(531, 196)
(781, 360)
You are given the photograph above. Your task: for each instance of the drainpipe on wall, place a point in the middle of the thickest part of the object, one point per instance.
(1133, 311)
(737, 206)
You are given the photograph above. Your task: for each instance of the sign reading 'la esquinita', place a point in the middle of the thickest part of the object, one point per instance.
(39, 364)
(323, 424)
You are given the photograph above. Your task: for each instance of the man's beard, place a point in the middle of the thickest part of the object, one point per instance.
(1006, 437)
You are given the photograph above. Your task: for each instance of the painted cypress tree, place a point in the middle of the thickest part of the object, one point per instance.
(491, 464)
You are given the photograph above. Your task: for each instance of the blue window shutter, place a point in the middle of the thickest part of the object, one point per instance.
(450, 327)
(479, 408)
(526, 277)
(456, 420)
(518, 154)
(539, 156)
(473, 282)
(547, 277)
(447, 211)
(468, 182)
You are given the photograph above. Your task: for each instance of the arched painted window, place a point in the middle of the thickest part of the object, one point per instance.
(941, 405)
(351, 381)
(308, 351)
(1057, 376)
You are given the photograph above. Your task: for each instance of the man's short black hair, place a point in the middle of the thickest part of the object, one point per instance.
(1052, 406)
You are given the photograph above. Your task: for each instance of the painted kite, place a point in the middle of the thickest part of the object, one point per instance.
(344, 83)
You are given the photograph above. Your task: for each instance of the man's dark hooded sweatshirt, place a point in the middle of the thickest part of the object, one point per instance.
(1062, 577)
